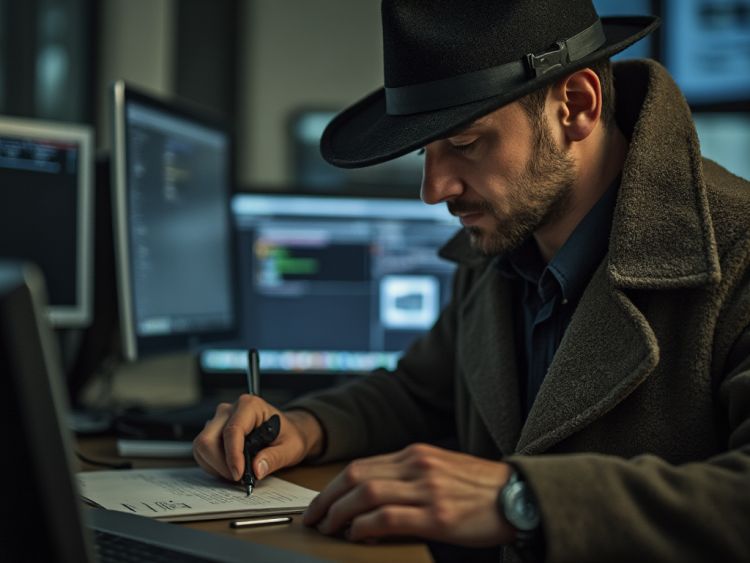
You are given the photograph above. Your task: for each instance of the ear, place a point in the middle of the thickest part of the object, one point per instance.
(580, 94)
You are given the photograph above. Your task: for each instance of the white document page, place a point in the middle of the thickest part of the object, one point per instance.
(188, 493)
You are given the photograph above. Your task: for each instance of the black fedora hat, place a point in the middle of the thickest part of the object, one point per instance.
(448, 62)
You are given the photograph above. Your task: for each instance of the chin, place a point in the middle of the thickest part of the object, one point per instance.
(490, 245)
(481, 242)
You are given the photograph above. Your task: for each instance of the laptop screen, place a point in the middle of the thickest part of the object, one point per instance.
(39, 499)
(335, 284)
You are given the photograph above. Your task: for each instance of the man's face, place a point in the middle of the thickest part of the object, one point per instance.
(504, 177)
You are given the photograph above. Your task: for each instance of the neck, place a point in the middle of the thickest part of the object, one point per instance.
(599, 161)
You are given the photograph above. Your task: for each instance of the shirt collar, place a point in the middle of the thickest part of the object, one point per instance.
(573, 265)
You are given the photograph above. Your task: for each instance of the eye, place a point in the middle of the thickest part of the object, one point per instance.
(464, 147)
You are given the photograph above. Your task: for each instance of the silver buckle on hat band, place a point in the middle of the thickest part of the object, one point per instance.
(566, 50)
(542, 64)
(488, 82)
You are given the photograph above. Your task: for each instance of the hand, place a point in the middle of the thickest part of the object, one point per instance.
(420, 491)
(218, 448)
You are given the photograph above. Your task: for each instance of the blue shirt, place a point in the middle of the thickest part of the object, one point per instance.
(546, 295)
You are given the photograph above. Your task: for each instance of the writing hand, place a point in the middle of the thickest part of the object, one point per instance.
(420, 491)
(218, 449)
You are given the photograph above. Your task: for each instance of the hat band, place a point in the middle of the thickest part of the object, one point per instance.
(488, 82)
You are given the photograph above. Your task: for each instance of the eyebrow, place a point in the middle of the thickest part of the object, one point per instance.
(461, 129)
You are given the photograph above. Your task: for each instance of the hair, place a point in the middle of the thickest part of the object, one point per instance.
(534, 102)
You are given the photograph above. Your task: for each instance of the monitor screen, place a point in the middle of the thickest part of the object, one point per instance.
(725, 138)
(706, 49)
(400, 177)
(172, 183)
(643, 49)
(335, 284)
(46, 206)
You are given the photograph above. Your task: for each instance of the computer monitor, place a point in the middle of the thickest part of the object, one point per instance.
(399, 177)
(725, 138)
(642, 49)
(172, 179)
(46, 210)
(333, 284)
(705, 49)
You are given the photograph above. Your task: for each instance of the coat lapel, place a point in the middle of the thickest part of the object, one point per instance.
(607, 351)
(609, 347)
(488, 358)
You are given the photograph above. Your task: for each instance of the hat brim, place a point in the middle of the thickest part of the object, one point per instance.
(364, 134)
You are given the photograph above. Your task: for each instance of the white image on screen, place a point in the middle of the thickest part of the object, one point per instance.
(409, 302)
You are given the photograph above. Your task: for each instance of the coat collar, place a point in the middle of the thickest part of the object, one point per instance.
(662, 235)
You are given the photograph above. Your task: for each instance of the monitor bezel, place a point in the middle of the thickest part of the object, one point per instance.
(133, 346)
(79, 315)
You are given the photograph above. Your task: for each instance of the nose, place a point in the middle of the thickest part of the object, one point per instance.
(439, 180)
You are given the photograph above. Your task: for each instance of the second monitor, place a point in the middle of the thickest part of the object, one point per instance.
(333, 284)
(172, 178)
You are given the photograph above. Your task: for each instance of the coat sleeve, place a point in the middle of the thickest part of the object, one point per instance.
(385, 411)
(602, 508)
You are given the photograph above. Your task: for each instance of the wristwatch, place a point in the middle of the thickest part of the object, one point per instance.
(517, 504)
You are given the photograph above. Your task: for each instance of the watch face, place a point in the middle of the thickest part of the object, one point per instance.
(520, 507)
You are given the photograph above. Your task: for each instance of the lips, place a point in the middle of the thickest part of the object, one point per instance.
(469, 219)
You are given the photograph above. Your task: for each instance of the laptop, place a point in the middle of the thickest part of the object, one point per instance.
(41, 515)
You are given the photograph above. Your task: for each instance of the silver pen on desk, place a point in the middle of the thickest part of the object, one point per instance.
(260, 522)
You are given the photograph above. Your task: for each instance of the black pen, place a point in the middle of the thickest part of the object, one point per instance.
(258, 439)
(264, 434)
(252, 375)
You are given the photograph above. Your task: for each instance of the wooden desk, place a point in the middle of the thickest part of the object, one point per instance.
(294, 536)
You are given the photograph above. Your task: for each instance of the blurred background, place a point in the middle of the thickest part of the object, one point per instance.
(309, 266)
(278, 70)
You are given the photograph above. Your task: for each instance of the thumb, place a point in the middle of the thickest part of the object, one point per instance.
(269, 460)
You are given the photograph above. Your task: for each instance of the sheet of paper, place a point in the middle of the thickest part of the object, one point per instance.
(188, 493)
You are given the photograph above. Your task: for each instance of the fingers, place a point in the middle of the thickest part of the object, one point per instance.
(269, 460)
(368, 497)
(218, 448)
(249, 411)
(208, 446)
(359, 471)
(394, 521)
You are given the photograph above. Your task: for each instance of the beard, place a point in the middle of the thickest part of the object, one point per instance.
(537, 197)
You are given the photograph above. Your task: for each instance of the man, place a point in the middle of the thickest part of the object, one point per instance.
(593, 362)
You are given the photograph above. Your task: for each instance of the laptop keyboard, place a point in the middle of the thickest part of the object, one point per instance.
(118, 549)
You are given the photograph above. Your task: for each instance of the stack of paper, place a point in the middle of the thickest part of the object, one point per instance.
(188, 493)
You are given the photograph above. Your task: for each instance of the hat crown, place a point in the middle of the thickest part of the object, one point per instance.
(428, 40)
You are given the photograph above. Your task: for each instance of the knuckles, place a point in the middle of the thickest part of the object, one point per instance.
(370, 492)
(223, 409)
(387, 519)
(246, 401)
(201, 443)
(353, 473)
(422, 457)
